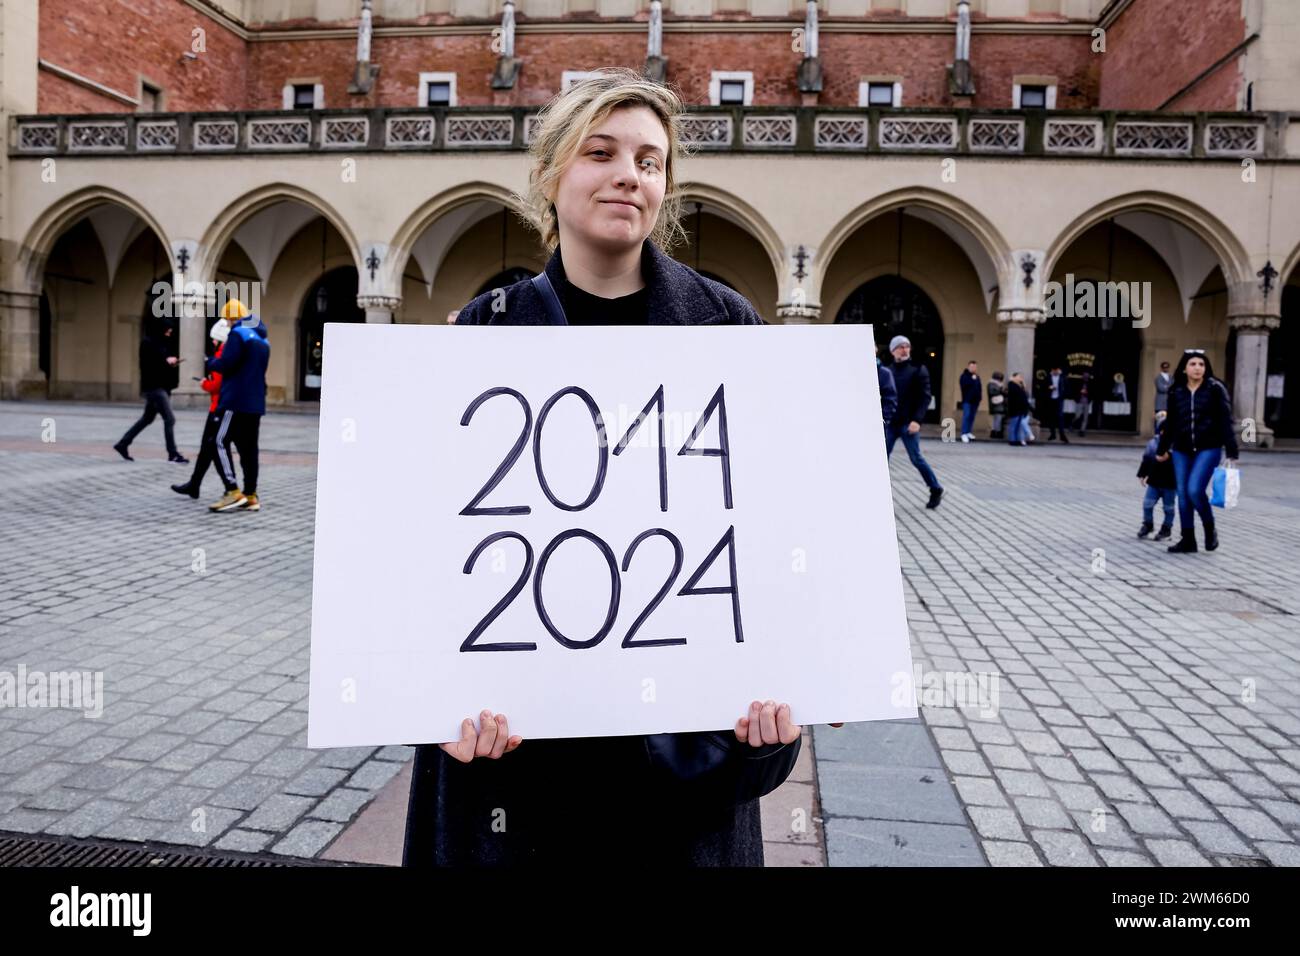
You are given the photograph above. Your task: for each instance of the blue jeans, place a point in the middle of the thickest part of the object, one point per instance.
(1163, 495)
(1193, 471)
(967, 417)
(1018, 428)
(913, 445)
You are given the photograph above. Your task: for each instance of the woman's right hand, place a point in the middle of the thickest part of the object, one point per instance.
(491, 740)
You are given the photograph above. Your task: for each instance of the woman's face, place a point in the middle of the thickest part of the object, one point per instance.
(1195, 369)
(609, 197)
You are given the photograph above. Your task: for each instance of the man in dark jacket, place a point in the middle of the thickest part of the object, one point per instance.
(913, 383)
(241, 405)
(971, 396)
(888, 391)
(158, 376)
(1051, 403)
(688, 799)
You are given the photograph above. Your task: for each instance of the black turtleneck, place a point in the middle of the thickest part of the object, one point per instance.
(583, 308)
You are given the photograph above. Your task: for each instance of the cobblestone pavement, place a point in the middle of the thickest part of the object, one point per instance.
(1146, 709)
(200, 625)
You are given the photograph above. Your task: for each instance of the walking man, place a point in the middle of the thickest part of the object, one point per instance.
(971, 396)
(242, 403)
(913, 384)
(158, 376)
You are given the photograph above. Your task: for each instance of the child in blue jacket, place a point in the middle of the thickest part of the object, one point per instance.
(1158, 479)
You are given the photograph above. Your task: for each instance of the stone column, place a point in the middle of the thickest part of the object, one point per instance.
(1020, 325)
(1250, 375)
(20, 345)
(379, 308)
(191, 309)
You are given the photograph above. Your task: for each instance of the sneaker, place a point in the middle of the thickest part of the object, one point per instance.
(251, 503)
(229, 501)
(966, 438)
(186, 488)
(935, 495)
(121, 450)
(178, 459)
(1164, 533)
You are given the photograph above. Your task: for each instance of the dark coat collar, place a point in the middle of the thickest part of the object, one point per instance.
(678, 296)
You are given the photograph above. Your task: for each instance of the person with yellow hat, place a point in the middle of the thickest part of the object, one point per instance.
(241, 404)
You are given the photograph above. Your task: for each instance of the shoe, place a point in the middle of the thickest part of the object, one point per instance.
(250, 503)
(1163, 533)
(1052, 437)
(1211, 537)
(935, 495)
(186, 488)
(1146, 529)
(178, 459)
(121, 450)
(232, 499)
(966, 439)
(1065, 438)
(1186, 544)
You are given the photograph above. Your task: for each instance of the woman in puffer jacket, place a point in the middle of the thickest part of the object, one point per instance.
(1197, 433)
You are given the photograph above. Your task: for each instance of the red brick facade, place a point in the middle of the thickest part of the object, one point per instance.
(1157, 47)
(115, 42)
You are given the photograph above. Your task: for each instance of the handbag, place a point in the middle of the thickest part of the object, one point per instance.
(1225, 486)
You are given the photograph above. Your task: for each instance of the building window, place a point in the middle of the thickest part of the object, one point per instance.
(304, 96)
(151, 98)
(569, 77)
(1033, 93)
(884, 92)
(437, 89)
(731, 88)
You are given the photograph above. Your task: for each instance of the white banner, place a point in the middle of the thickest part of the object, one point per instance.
(601, 531)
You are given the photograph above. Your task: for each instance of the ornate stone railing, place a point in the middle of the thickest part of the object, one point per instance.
(705, 129)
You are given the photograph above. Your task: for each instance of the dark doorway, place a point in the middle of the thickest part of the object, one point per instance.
(332, 299)
(894, 306)
(1105, 353)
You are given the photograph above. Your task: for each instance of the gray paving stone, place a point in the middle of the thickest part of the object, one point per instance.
(1004, 853)
(1254, 824)
(996, 824)
(1176, 853)
(1064, 849)
(1218, 838)
(1147, 820)
(308, 838)
(894, 843)
(278, 812)
(244, 841)
(341, 805)
(1037, 812)
(1124, 858)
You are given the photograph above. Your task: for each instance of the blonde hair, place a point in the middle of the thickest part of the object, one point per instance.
(565, 122)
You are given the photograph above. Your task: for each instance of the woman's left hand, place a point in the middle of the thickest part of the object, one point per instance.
(767, 723)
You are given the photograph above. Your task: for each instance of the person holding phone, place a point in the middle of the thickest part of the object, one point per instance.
(605, 155)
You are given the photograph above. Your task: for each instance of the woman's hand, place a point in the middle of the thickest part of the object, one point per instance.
(1164, 457)
(767, 723)
(491, 740)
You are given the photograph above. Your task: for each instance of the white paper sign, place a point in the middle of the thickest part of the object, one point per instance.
(480, 545)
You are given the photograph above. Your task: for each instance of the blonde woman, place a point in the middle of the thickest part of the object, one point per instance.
(602, 191)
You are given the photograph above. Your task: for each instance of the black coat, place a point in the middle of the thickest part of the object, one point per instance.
(686, 799)
(1199, 420)
(1017, 399)
(154, 370)
(912, 380)
(970, 389)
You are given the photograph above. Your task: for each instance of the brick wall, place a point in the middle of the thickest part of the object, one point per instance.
(1157, 47)
(113, 42)
(920, 58)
